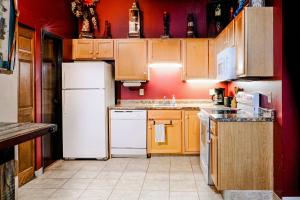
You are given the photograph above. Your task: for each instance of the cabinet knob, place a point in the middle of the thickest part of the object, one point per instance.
(91, 52)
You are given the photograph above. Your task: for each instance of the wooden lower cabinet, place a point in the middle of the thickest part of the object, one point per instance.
(172, 120)
(191, 132)
(241, 155)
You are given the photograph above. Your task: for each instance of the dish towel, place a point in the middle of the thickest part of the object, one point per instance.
(160, 134)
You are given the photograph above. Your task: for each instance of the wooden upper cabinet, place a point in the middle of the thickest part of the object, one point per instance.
(131, 59)
(164, 51)
(91, 49)
(83, 49)
(230, 34)
(212, 59)
(191, 132)
(104, 49)
(195, 57)
(254, 42)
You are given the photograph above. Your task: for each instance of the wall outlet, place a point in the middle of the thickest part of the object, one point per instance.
(141, 92)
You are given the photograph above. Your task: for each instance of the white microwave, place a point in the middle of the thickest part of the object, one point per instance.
(226, 64)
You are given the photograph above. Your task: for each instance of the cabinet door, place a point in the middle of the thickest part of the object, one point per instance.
(214, 158)
(240, 43)
(83, 49)
(131, 59)
(192, 132)
(172, 142)
(212, 61)
(196, 59)
(165, 51)
(230, 34)
(104, 49)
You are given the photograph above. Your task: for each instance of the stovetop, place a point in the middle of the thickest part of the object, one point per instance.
(220, 110)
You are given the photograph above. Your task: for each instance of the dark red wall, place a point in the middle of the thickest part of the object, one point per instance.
(55, 17)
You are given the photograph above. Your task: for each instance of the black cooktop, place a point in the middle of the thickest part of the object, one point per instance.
(221, 110)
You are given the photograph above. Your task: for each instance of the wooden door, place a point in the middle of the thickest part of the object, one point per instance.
(165, 51)
(104, 49)
(212, 61)
(214, 158)
(26, 152)
(131, 59)
(192, 132)
(172, 142)
(240, 43)
(196, 59)
(83, 49)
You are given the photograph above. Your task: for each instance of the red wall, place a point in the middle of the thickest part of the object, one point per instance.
(166, 82)
(55, 17)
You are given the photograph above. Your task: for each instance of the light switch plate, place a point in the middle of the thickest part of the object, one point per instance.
(141, 92)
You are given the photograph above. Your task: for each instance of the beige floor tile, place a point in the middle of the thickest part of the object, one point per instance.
(195, 160)
(203, 187)
(181, 176)
(159, 168)
(154, 195)
(184, 196)
(58, 173)
(124, 195)
(95, 195)
(44, 183)
(118, 167)
(130, 185)
(133, 175)
(67, 165)
(100, 184)
(209, 196)
(109, 175)
(163, 176)
(183, 186)
(86, 174)
(77, 183)
(136, 167)
(24, 193)
(65, 194)
(93, 166)
(156, 185)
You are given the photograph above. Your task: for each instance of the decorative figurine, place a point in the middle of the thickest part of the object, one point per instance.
(85, 10)
(218, 15)
(166, 19)
(190, 26)
(134, 21)
(107, 30)
(257, 3)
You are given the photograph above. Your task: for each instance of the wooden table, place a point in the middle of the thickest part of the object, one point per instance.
(15, 133)
(12, 134)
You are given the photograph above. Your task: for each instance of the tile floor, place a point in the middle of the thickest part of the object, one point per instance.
(158, 178)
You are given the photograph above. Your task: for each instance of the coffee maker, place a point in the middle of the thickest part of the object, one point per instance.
(218, 96)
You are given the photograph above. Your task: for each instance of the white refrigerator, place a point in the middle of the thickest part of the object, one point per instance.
(87, 91)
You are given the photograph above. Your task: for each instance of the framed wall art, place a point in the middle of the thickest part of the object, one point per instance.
(8, 18)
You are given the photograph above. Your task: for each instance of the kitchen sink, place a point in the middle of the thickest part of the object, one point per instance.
(164, 105)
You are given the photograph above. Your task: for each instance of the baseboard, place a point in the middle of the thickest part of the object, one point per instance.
(39, 172)
(275, 197)
(248, 194)
(290, 198)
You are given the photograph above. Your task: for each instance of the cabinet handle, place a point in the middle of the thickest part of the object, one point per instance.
(169, 124)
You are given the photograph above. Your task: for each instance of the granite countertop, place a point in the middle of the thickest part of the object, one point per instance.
(158, 105)
(15, 133)
(242, 116)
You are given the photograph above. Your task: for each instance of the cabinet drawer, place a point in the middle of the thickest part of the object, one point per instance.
(164, 114)
(213, 127)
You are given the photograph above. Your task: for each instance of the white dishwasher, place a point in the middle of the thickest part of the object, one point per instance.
(128, 133)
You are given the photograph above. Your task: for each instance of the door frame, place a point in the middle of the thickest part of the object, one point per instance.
(44, 34)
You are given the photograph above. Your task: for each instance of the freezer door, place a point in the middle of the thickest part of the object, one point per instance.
(84, 124)
(83, 75)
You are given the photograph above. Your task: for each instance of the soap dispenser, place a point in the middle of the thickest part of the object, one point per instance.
(173, 100)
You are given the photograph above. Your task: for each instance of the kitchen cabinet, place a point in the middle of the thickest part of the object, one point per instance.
(226, 38)
(172, 120)
(254, 42)
(195, 59)
(92, 49)
(165, 51)
(212, 61)
(241, 155)
(131, 61)
(191, 132)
